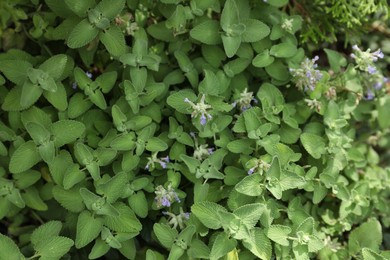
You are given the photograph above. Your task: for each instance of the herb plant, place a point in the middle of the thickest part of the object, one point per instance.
(194, 129)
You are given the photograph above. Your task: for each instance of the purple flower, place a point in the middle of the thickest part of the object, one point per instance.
(165, 202)
(378, 85)
(163, 164)
(186, 215)
(251, 170)
(371, 69)
(203, 119)
(379, 54)
(74, 85)
(89, 74)
(210, 150)
(370, 95)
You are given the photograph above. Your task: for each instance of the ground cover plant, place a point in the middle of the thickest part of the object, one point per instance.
(172, 129)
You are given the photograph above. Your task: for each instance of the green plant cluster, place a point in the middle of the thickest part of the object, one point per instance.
(193, 129)
(330, 20)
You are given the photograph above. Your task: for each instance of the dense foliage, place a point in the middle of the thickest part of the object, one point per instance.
(190, 129)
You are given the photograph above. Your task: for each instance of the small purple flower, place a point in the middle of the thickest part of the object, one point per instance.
(210, 151)
(186, 215)
(371, 69)
(165, 202)
(379, 54)
(186, 100)
(74, 85)
(89, 74)
(251, 170)
(147, 167)
(378, 85)
(203, 119)
(163, 164)
(370, 95)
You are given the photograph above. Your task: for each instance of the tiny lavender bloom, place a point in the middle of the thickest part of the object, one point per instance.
(177, 220)
(306, 76)
(370, 95)
(244, 102)
(200, 109)
(89, 74)
(74, 85)
(153, 160)
(365, 59)
(202, 151)
(165, 197)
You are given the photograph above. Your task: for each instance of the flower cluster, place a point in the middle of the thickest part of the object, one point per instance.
(307, 76)
(244, 102)
(177, 220)
(313, 104)
(153, 159)
(165, 197)
(365, 59)
(201, 151)
(200, 109)
(260, 165)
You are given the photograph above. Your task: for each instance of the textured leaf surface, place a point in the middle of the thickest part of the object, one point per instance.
(25, 157)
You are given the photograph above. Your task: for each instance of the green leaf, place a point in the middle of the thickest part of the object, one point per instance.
(336, 60)
(251, 185)
(277, 3)
(125, 222)
(30, 94)
(383, 107)
(55, 66)
(88, 228)
(229, 14)
(222, 246)
(367, 235)
(15, 70)
(66, 131)
(82, 34)
(263, 59)
(241, 146)
(114, 40)
(165, 234)
(279, 234)
(79, 8)
(207, 32)
(277, 70)
(69, 199)
(78, 105)
(15, 197)
(113, 189)
(24, 157)
(176, 100)
(33, 199)
(139, 204)
(207, 213)
(231, 44)
(110, 9)
(283, 50)
(249, 214)
(12, 100)
(37, 132)
(259, 244)
(73, 175)
(255, 30)
(369, 254)
(59, 98)
(313, 144)
(99, 249)
(9, 250)
(56, 247)
(155, 144)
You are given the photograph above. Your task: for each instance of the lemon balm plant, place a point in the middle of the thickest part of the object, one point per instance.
(188, 130)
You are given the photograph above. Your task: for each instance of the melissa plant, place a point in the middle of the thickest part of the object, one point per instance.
(189, 130)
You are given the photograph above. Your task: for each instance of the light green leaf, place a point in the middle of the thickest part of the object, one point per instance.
(55, 66)
(139, 204)
(9, 250)
(80, 7)
(155, 144)
(59, 98)
(66, 131)
(283, 50)
(207, 213)
(165, 234)
(99, 249)
(114, 40)
(25, 157)
(125, 222)
(279, 234)
(367, 235)
(88, 228)
(176, 100)
(222, 246)
(56, 247)
(255, 30)
(313, 144)
(15, 70)
(207, 32)
(110, 9)
(249, 214)
(277, 3)
(251, 185)
(336, 60)
(259, 244)
(383, 107)
(82, 34)
(263, 59)
(241, 146)
(30, 94)
(229, 14)
(69, 199)
(73, 175)
(369, 254)
(78, 105)
(231, 44)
